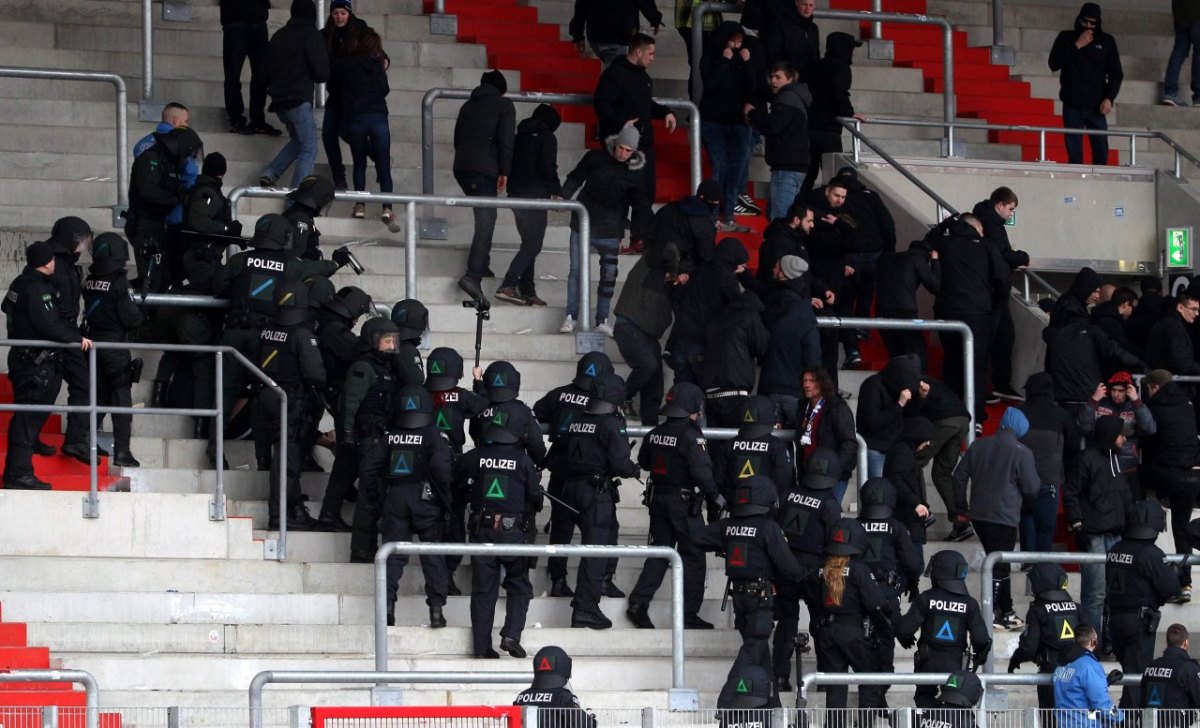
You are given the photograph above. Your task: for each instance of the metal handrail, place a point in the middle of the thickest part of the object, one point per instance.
(262, 679)
(533, 97)
(679, 692)
(874, 17)
(122, 124)
(411, 202)
(83, 677)
(1028, 276)
(987, 598)
(859, 137)
(147, 51)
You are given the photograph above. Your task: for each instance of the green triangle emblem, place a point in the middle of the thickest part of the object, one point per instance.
(495, 490)
(498, 418)
(442, 423)
(435, 367)
(743, 686)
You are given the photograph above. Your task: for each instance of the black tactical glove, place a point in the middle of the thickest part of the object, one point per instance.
(234, 228)
(347, 439)
(906, 641)
(1013, 664)
(1114, 677)
(343, 257)
(981, 658)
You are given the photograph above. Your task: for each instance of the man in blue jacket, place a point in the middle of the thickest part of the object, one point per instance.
(1081, 687)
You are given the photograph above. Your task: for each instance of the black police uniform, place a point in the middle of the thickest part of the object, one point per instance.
(287, 353)
(65, 238)
(557, 409)
(1050, 626)
(756, 555)
(806, 514)
(411, 463)
(551, 671)
(949, 619)
(843, 633)
(155, 188)
(311, 197)
(110, 315)
(31, 307)
(676, 455)
(368, 401)
(505, 491)
(755, 451)
(1171, 685)
(1138, 583)
(747, 698)
(411, 318)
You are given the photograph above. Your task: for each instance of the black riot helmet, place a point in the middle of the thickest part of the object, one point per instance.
(754, 496)
(68, 233)
(415, 407)
(1146, 521)
(847, 537)
(608, 394)
(181, 142)
(591, 367)
(684, 400)
(551, 668)
(758, 417)
(501, 431)
(321, 295)
(273, 232)
(1049, 582)
(748, 686)
(110, 253)
(963, 689)
(411, 317)
(443, 369)
(948, 570)
(822, 469)
(878, 498)
(378, 330)
(502, 382)
(356, 302)
(291, 308)
(315, 193)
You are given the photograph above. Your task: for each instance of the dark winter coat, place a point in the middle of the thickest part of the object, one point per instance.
(338, 43)
(794, 343)
(1096, 493)
(1108, 319)
(779, 239)
(713, 286)
(609, 190)
(625, 92)
(535, 156)
(880, 417)
(610, 21)
(972, 271)
(729, 83)
(1077, 356)
(691, 224)
(785, 129)
(244, 11)
(1052, 433)
(1091, 74)
(942, 402)
(995, 230)
(484, 133)
(830, 83)
(903, 273)
(792, 38)
(876, 231)
(363, 85)
(737, 341)
(1174, 444)
(296, 60)
(1169, 346)
(902, 467)
(644, 300)
(835, 430)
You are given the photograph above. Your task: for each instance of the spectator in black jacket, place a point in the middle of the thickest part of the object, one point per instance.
(833, 244)
(609, 25)
(713, 286)
(793, 36)
(1112, 316)
(736, 343)
(689, 224)
(1119, 396)
(643, 315)
(830, 83)
(296, 62)
(244, 38)
(993, 214)
(823, 419)
(1096, 503)
(787, 235)
(1151, 306)
(907, 271)
(874, 235)
(1051, 437)
(1170, 456)
(881, 402)
(534, 175)
(728, 86)
(941, 406)
(363, 88)
(785, 131)
(794, 345)
(624, 94)
(1169, 345)
(1090, 80)
(484, 134)
(344, 35)
(610, 184)
(1084, 292)
(903, 468)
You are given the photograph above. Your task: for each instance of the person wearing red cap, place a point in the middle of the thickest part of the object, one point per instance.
(1119, 396)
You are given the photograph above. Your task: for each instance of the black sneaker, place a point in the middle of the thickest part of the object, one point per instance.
(265, 181)
(239, 126)
(265, 129)
(745, 206)
(125, 460)
(80, 452)
(560, 588)
(611, 590)
(41, 448)
(960, 532)
(852, 362)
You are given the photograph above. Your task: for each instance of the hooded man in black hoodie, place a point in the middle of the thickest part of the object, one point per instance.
(297, 60)
(993, 214)
(881, 402)
(690, 224)
(735, 344)
(792, 35)
(713, 286)
(1052, 436)
(534, 174)
(1091, 78)
(830, 83)
(729, 84)
(896, 295)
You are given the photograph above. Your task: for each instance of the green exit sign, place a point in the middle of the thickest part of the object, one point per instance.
(1179, 247)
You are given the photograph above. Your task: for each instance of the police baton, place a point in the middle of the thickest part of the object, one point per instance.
(560, 501)
(483, 312)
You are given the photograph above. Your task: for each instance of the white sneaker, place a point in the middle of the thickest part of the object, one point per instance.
(568, 325)
(606, 327)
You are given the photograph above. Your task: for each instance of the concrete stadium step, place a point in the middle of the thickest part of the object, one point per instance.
(1056, 16)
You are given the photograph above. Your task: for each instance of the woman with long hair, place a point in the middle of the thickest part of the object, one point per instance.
(362, 77)
(823, 419)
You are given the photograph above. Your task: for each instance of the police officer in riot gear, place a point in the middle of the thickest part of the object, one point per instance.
(287, 352)
(557, 409)
(551, 676)
(806, 514)
(368, 400)
(68, 236)
(1050, 626)
(1138, 584)
(155, 188)
(755, 451)
(747, 698)
(109, 314)
(756, 555)
(891, 556)
(949, 619)
(848, 607)
(309, 200)
(597, 454)
(955, 704)
(31, 307)
(411, 319)
(676, 455)
(505, 491)
(502, 384)
(411, 465)
(1171, 684)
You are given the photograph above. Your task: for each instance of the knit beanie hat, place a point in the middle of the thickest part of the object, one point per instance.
(341, 4)
(629, 136)
(1015, 420)
(495, 79)
(39, 254)
(214, 165)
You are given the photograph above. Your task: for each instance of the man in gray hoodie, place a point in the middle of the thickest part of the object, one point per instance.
(1003, 476)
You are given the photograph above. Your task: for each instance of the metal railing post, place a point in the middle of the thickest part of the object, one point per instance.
(856, 143)
(219, 430)
(410, 250)
(1042, 146)
(147, 51)
(91, 504)
(319, 91)
(1132, 150)
(84, 678)
(427, 181)
(282, 457)
(876, 27)
(49, 714)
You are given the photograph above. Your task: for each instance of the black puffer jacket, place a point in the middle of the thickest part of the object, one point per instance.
(691, 224)
(906, 271)
(996, 231)
(902, 467)
(876, 231)
(785, 128)
(484, 133)
(626, 92)
(1096, 493)
(792, 38)
(713, 286)
(296, 59)
(729, 83)
(1169, 346)
(1051, 429)
(535, 155)
(1174, 444)
(1090, 74)
(830, 82)
(610, 189)
(737, 341)
(880, 417)
(1108, 319)
(973, 275)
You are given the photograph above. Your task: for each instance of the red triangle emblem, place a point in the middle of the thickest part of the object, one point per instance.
(544, 666)
(737, 557)
(839, 536)
(660, 465)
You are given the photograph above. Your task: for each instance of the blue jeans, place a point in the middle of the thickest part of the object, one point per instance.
(1037, 525)
(839, 491)
(608, 249)
(369, 136)
(785, 411)
(301, 146)
(1091, 590)
(1080, 119)
(875, 460)
(784, 187)
(1186, 40)
(728, 147)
